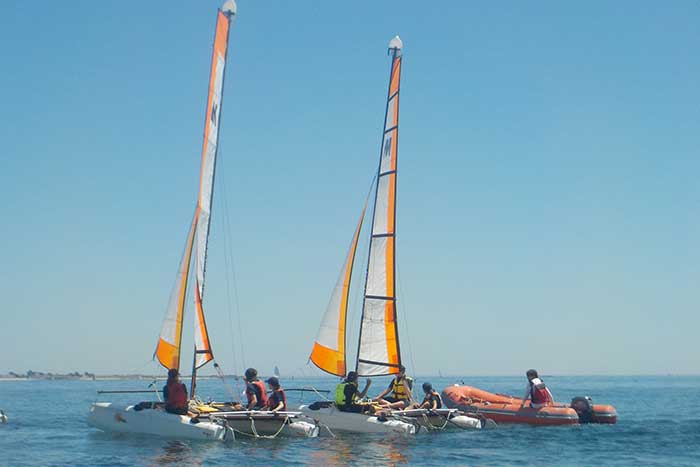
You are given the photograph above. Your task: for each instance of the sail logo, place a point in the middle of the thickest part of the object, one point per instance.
(387, 147)
(214, 112)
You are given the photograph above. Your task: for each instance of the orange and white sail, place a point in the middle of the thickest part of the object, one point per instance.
(378, 352)
(203, 352)
(168, 347)
(329, 348)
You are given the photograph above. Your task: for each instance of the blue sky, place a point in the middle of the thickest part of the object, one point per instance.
(548, 205)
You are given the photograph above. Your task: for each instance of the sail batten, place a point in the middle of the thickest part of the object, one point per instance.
(378, 347)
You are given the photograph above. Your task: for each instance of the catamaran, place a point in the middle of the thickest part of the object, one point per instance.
(219, 421)
(378, 351)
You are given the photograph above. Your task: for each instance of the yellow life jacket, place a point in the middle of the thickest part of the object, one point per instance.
(340, 394)
(398, 388)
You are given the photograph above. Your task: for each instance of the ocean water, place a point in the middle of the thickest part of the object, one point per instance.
(658, 425)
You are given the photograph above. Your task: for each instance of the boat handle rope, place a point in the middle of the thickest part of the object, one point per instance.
(430, 426)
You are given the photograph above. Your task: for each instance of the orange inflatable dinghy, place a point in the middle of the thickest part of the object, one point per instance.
(507, 409)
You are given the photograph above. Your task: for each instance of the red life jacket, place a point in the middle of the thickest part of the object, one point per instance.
(260, 394)
(538, 392)
(177, 395)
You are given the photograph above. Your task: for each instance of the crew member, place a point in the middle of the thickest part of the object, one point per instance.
(431, 401)
(536, 391)
(347, 394)
(254, 390)
(175, 394)
(400, 389)
(277, 400)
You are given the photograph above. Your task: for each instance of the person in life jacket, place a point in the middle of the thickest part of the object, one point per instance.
(536, 391)
(347, 394)
(400, 389)
(277, 400)
(175, 394)
(254, 390)
(431, 401)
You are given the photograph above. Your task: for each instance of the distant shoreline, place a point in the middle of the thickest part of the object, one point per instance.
(104, 378)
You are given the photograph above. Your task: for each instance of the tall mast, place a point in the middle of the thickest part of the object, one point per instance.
(378, 350)
(202, 347)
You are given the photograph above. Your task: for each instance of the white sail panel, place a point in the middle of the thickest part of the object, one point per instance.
(376, 351)
(377, 268)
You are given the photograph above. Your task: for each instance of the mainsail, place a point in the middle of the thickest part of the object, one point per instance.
(329, 348)
(378, 350)
(203, 352)
(168, 349)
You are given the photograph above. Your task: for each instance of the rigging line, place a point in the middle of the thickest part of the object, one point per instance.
(405, 313)
(224, 200)
(232, 279)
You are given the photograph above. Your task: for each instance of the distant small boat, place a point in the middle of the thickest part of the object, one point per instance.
(502, 408)
(3, 417)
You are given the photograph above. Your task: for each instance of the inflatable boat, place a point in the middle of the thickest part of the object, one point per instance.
(502, 408)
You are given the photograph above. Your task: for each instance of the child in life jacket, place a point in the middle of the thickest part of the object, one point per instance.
(536, 391)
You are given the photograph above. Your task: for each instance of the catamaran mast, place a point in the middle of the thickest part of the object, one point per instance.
(378, 350)
(202, 348)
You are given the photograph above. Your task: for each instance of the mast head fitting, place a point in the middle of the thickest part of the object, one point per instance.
(396, 44)
(229, 7)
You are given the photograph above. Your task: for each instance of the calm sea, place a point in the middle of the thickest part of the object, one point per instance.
(659, 424)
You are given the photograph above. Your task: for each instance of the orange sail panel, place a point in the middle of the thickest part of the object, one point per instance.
(329, 348)
(206, 182)
(168, 348)
(378, 353)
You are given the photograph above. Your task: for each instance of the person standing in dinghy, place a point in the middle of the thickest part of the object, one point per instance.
(175, 394)
(536, 391)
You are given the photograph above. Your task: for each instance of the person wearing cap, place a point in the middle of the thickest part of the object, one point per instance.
(254, 390)
(348, 393)
(536, 391)
(400, 389)
(175, 394)
(277, 400)
(432, 399)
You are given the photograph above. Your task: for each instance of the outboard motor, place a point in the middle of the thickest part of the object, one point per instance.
(584, 408)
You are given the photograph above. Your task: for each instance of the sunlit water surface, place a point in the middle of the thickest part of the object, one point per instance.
(659, 425)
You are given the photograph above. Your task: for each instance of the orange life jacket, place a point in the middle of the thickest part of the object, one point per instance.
(260, 394)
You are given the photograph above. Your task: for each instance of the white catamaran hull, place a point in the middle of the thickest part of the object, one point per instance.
(336, 420)
(441, 419)
(124, 419)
